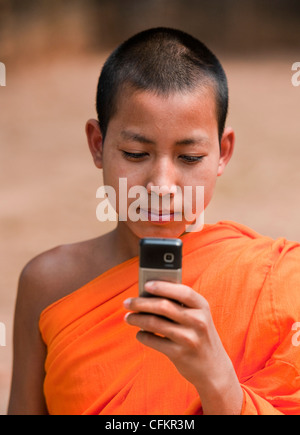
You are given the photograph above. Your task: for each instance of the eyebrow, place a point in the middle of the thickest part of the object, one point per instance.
(201, 140)
(136, 137)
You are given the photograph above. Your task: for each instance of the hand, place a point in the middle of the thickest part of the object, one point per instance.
(180, 326)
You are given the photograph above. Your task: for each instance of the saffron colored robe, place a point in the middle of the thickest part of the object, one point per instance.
(95, 365)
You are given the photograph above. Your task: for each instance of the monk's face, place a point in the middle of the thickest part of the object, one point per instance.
(162, 143)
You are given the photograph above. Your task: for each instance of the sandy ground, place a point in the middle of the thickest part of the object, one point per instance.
(48, 181)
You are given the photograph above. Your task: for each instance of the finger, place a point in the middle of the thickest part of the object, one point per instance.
(177, 292)
(157, 306)
(161, 344)
(170, 310)
(183, 337)
(156, 325)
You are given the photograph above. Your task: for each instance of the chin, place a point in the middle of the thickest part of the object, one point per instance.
(146, 229)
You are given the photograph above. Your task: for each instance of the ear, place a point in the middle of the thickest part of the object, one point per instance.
(95, 141)
(227, 147)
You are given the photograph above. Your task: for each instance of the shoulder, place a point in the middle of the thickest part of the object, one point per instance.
(284, 280)
(41, 280)
(242, 232)
(278, 247)
(255, 254)
(54, 274)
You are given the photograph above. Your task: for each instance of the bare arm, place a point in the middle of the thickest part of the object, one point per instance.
(46, 279)
(26, 396)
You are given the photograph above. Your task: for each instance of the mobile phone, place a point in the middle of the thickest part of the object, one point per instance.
(160, 260)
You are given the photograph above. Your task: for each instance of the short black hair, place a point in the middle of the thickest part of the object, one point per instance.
(163, 61)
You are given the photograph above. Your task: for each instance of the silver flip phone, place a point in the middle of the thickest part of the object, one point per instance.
(160, 260)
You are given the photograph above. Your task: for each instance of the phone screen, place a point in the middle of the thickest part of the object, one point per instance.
(160, 260)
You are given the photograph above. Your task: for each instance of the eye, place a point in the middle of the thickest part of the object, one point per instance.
(191, 159)
(134, 156)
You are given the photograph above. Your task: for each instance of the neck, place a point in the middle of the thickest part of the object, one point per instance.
(125, 243)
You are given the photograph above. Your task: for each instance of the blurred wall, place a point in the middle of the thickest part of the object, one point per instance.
(53, 51)
(29, 28)
(231, 25)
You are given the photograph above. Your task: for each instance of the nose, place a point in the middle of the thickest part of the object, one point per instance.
(162, 180)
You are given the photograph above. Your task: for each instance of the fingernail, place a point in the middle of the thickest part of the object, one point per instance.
(127, 302)
(126, 316)
(150, 284)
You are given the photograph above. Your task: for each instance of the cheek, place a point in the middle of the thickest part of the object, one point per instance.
(205, 177)
(114, 167)
(209, 186)
(128, 189)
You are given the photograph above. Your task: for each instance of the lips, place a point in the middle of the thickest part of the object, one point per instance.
(159, 216)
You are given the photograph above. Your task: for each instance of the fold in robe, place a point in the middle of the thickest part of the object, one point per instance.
(95, 365)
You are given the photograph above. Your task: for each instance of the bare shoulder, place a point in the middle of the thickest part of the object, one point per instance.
(38, 279)
(45, 279)
(57, 273)
(37, 286)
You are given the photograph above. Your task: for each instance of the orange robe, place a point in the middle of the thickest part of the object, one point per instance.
(95, 365)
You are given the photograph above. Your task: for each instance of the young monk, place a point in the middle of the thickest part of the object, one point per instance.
(223, 341)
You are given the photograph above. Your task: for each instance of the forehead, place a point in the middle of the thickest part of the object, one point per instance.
(178, 110)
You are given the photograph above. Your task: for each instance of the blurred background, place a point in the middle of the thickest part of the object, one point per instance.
(54, 51)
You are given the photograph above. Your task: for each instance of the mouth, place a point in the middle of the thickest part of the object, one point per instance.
(160, 216)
